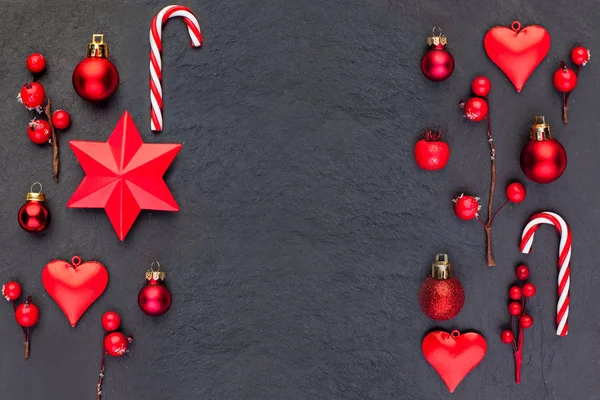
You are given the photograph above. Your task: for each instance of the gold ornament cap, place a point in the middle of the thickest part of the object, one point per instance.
(540, 130)
(441, 268)
(158, 275)
(436, 40)
(35, 196)
(98, 48)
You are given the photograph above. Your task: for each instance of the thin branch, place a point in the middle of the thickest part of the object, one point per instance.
(488, 226)
(55, 155)
(100, 377)
(498, 210)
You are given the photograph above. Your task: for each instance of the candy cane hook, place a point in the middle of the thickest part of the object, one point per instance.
(156, 96)
(564, 262)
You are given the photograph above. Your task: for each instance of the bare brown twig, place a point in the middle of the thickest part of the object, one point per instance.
(55, 154)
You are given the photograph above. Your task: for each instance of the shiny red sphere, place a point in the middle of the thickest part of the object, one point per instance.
(441, 299)
(515, 192)
(61, 119)
(466, 207)
(526, 321)
(529, 290)
(11, 291)
(481, 86)
(565, 79)
(543, 161)
(111, 321)
(27, 315)
(39, 131)
(515, 308)
(514, 292)
(95, 79)
(522, 272)
(507, 337)
(36, 63)
(437, 63)
(115, 344)
(154, 298)
(476, 109)
(34, 216)
(580, 56)
(32, 95)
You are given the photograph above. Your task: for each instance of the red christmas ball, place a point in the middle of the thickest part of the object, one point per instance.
(61, 119)
(526, 321)
(522, 272)
(514, 292)
(36, 63)
(11, 291)
(580, 56)
(95, 79)
(154, 298)
(431, 154)
(27, 314)
(481, 86)
(39, 131)
(476, 109)
(515, 192)
(507, 337)
(441, 296)
(543, 161)
(32, 95)
(437, 63)
(34, 215)
(529, 290)
(115, 344)
(111, 321)
(466, 207)
(565, 79)
(515, 308)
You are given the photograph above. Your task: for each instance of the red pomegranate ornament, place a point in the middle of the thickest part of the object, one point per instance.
(543, 159)
(96, 78)
(437, 63)
(441, 296)
(154, 298)
(430, 153)
(34, 215)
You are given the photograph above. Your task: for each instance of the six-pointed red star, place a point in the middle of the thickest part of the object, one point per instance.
(124, 175)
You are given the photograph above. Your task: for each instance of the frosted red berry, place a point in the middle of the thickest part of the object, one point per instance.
(27, 314)
(522, 272)
(430, 153)
(529, 290)
(526, 321)
(466, 207)
(115, 344)
(580, 56)
(476, 109)
(515, 192)
(11, 291)
(111, 321)
(32, 95)
(36, 63)
(39, 131)
(514, 292)
(61, 119)
(481, 86)
(507, 337)
(514, 308)
(565, 79)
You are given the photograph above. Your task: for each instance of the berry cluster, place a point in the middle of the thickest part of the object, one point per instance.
(115, 343)
(26, 314)
(516, 309)
(565, 79)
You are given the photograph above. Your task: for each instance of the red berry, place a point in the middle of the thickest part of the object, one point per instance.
(507, 337)
(430, 153)
(522, 272)
(565, 79)
(515, 308)
(580, 56)
(36, 63)
(27, 314)
(514, 292)
(32, 95)
(481, 86)
(111, 321)
(476, 109)
(115, 344)
(11, 291)
(526, 321)
(39, 131)
(466, 207)
(529, 290)
(515, 192)
(61, 119)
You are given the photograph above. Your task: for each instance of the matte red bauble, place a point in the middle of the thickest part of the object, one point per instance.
(34, 215)
(441, 296)
(154, 298)
(543, 159)
(96, 78)
(437, 63)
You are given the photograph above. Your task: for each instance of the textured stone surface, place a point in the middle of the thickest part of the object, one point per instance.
(305, 227)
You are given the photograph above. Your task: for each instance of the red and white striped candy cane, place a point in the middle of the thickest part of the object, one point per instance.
(158, 21)
(564, 261)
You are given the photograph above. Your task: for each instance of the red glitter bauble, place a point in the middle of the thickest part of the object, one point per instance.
(441, 296)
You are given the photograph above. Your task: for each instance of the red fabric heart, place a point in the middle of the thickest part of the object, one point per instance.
(453, 355)
(517, 51)
(74, 287)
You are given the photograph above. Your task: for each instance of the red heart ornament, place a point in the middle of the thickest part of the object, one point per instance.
(74, 287)
(517, 52)
(453, 355)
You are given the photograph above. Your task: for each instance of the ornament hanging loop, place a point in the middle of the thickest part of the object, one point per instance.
(439, 31)
(76, 261)
(455, 334)
(35, 184)
(516, 26)
(155, 264)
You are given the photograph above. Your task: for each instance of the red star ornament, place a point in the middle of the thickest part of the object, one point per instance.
(124, 175)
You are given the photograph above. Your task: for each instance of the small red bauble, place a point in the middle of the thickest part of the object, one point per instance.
(476, 109)
(565, 79)
(466, 207)
(34, 216)
(522, 272)
(27, 315)
(437, 63)
(61, 119)
(441, 296)
(36, 63)
(111, 321)
(507, 337)
(515, 308)
(96, 78)
(526, 321)
(514, 292)
(431, 154)
(32, 96)
(115, 344)
(543, 159)
(39, 131)
(154, 298)
(11, 291)
(529, 290)
(481, 86)
(515, 192)
(580, 56)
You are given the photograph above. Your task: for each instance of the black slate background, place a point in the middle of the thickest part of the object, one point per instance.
(305, 228)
